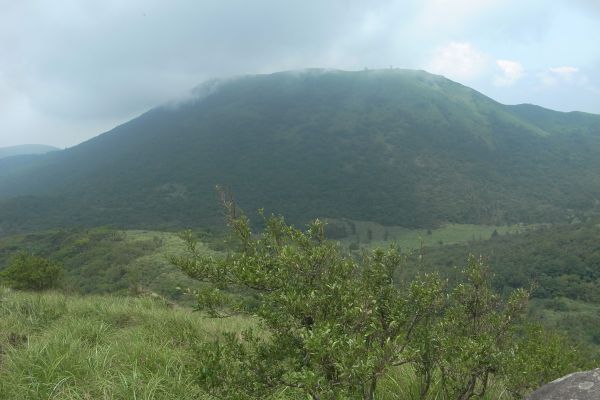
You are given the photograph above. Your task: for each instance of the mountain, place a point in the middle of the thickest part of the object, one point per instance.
(25, 149)
(398, 147)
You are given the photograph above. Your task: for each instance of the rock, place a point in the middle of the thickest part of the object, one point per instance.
(577, 386)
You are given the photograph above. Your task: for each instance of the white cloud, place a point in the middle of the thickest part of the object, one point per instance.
(70, 72)
(565, 74)
(512, 71)
(458, 60)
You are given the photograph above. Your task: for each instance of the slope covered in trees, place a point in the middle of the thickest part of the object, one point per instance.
(396, 147)
(561, 263)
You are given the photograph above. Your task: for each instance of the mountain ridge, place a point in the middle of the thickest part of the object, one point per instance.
(26, 149)
(398, 147)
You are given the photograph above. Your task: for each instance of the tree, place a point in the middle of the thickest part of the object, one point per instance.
(478, 332)
(330, 325)
(28, 272)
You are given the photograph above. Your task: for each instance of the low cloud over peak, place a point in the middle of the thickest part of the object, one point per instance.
(458, 60)
(512, 71)
(70, 72)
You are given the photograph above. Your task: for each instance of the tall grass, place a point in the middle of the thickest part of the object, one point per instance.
(58, 347)
(54, 346)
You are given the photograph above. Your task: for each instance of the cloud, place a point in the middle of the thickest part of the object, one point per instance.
(512, 71)
(565, 74)
(97, 64)
(458, 60)
(68, 73)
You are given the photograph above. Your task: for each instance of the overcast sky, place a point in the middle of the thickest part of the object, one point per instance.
(72, 69)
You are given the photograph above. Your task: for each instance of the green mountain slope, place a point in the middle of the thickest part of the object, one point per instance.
(396, 147)
(25, 149)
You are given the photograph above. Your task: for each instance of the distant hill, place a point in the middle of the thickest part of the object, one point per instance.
(25, 149)
(397, 147)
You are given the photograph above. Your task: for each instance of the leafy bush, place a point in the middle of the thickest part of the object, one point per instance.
(477, 332)
(332, 326)
(541, 356)
(28, 272)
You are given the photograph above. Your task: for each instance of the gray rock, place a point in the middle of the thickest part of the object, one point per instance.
(577, 386)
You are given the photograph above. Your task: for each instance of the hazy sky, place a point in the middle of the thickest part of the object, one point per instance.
(72, 69)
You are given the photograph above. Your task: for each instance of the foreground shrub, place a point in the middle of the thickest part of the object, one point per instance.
(478, 332)
(332, 326)
(540, 356)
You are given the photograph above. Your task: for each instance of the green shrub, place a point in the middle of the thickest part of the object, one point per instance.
(331, 326)
(334, 325)
(28, 272)
(541, 356)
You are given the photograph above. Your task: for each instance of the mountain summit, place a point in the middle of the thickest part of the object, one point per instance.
(399, 147)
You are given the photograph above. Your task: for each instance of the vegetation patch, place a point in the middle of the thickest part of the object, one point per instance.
(55, 346)
(367, 234)
(106, 260)
(561, 263)
(334, 326)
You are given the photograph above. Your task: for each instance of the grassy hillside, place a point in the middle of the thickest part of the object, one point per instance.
(68, 347)
(562, 261)
(395, 147)
(104, 260)
(61, 347)
(366, 234)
